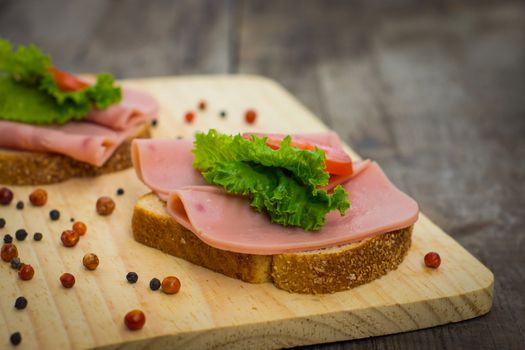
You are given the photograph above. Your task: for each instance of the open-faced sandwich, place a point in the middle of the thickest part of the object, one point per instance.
(292, 210)
(54, 125)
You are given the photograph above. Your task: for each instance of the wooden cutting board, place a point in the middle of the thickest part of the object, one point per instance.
(211, 310)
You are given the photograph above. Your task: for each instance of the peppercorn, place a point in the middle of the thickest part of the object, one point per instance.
(15, 338)
(69, 238)
(135, 320)
(120, 192)
(105, 206)
(2, 222)
(154, 284)
(16, 264)
(202, 105)
(71, 219)
(54, 215)
(8, 252)
(26, 272)
(170, 285)
(223, 114)
(67, 280)
(21, 234)
(38, 197)
(432, 260)
(132, 277)
(19, 205)
(250, 116)
(80, 228)
(6, 196)
(189, 116)
(20, 303)
(90, 261)
(38, 236)
(8, 238)
(154, 122)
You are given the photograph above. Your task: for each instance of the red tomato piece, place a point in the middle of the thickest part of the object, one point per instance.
(67, 81)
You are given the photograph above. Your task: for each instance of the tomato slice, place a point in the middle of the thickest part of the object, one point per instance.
(337, 161)
(67, 81)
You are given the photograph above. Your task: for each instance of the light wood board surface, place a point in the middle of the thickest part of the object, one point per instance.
(211, 310)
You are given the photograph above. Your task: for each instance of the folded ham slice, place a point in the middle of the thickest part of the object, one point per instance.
(228, 222)
(92, 140)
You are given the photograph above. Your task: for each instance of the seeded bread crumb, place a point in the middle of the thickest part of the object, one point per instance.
(319, 271)
(39, 168)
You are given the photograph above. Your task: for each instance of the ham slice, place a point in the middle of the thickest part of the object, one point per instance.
(93, 140)
(228, 222)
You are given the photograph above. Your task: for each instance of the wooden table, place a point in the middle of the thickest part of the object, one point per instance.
(434, 92)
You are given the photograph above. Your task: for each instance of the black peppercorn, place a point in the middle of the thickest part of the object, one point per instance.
(223, 114)
(6, 196)
(120, 191)
(154, 122)
(15, 338)
(8, 238)
(20, 303)
(37, 236)
(16, 264)
(21, 234)
(54, 214)
(19, 205)
(154, 284)
(132, 277)
(72, 220)
(2, 222)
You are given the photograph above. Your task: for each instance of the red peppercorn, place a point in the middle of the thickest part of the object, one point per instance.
(69, 238)
(38, 197)
(6, 196)
(170, 285)
(9, 252)
(105, 206)
(202, 105)
(26, 272)
(135, 320)
(90, 261)
(432, 260)
(80, 228)
(189, 116)
(250, 116)
(67, 280)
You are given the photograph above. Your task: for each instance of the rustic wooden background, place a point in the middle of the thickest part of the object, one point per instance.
(433, 90)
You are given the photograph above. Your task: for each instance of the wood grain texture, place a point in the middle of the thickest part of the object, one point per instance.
(211, 311)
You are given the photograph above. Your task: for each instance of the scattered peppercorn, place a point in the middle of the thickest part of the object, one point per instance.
(26, 272)
(250, 116)
(223, 114)
(154, 284)
(54, 215)
(71, 219)
(154, 122)
(189, 116)
(2, 222)
(20, 303)
(432, 260)
(38, 236)
(105, 206)
(67, 280)
(38, 197)
(135, 320)
(90, 261)
(69, 238)
(80, 228)
(21, 234)
(202, 105)
(8, 238)
(170, 285)
(19, 205)
(15, 338)
(179, 137)
(8, 252)
(6, 196)
(120, 192)
(16, 264)
(132, 277)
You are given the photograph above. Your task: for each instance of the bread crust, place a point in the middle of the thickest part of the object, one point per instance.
(321, 271)
(39, 168)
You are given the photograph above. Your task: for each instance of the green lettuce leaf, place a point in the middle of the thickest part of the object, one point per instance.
(278, 182)
(27, 82)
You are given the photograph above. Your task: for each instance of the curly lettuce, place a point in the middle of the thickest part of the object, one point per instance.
(282, 182)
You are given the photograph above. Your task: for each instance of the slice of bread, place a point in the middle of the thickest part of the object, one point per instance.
(38, 168)
(319, 271)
